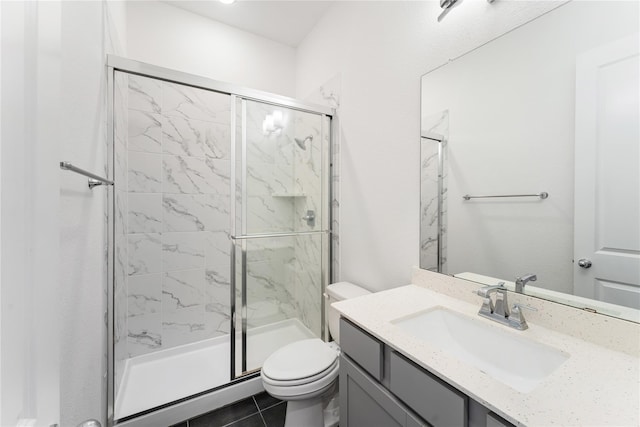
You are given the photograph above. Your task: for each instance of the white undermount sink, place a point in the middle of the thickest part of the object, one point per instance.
(508, 357)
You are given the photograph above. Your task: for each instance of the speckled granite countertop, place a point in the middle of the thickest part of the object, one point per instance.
(596, 386)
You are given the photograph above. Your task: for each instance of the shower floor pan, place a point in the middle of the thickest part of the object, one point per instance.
(168, 375)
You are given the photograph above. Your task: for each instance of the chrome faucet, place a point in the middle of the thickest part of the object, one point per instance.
(521, 281)
(499, 311)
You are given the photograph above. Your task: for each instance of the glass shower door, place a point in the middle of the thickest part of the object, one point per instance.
(281, 228)
(172, 149)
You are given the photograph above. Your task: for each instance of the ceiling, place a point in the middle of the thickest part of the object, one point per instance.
(286, 22)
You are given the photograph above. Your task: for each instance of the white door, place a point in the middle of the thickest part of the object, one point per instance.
(607, 177)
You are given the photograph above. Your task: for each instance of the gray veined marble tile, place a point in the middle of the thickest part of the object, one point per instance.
(144, 334)
(145, 213)
(182, 289)
(121, 210)
(216, 212)
(192, 175)
(144, 94)
(269, 178)
(220, 176)
(144, 172)
(120, 167)
(260, 148)
(184, 137)
(217, 322)
(269, 214)
(196, 212)
(192, 103)
(182, 251)
(183, 326)
(217, 279)
(184, 212)
(144, 294)
(144, 131)
(120, 263)
(144, 253)
(217, 141)
(217, 301)
(217, 250)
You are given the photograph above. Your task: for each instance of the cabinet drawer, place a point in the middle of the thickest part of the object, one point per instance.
(365, 403)
(494, 420)
(436, 402)
(361, 347)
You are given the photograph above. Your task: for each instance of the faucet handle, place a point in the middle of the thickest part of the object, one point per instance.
(516, 319)
(518, 306)
(486, 290)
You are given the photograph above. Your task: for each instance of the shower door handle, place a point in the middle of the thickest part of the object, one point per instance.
(310, 217)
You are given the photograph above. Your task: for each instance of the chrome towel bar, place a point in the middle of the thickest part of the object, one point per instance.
(542, 195)
(94, 180)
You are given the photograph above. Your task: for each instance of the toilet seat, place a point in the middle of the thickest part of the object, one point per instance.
(300, 381)
(301, 359)
(302, 391)
(300, 369)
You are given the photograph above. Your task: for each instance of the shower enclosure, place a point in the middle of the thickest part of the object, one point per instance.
(219, 234)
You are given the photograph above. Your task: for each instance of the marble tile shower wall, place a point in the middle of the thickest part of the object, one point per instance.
(120, 126)
(438, 124)
(329, 94)
(283, 183)
(173, 205)
(172, 169)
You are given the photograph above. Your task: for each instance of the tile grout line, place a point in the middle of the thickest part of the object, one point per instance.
(271, 406)
(262, 418)
(259, 410)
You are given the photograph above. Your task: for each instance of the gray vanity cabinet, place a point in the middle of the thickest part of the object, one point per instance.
(379, 387)
(365, 403)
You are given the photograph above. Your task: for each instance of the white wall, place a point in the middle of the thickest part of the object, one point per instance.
(53, 236)
(29, 283)
(89, 32)
(380, 50)
(167, 36)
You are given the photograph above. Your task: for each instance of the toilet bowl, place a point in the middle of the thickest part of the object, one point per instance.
(304, 373)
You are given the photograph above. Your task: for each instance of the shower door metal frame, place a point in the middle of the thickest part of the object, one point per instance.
(116, 63)
(441, 141)
(240, 239)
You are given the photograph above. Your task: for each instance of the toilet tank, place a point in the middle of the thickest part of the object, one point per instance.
(338, 292)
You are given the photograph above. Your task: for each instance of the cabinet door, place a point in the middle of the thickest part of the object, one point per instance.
(365, 403)
(432, 399)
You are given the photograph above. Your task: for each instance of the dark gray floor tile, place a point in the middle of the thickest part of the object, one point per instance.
(265, 400)
(274, 416)
(226, 415)
(252, 421)
(184, 424)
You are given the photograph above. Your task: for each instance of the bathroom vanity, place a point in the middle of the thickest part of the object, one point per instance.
(380, 386)
(575, 367)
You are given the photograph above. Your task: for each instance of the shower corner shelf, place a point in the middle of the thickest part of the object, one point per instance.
(282, 194)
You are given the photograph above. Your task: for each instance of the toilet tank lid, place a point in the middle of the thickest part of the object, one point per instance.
(345, 290)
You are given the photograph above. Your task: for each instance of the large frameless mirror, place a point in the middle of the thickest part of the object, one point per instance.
(544, 120)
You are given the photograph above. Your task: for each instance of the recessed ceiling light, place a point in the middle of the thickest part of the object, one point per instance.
(227, 1)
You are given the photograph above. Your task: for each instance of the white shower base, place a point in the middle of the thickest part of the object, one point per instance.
(162, 377)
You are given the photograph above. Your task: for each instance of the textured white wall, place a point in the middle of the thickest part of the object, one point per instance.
(380, 50)
(164, 35)
(53, 238)
(30, 137)
(89, 32)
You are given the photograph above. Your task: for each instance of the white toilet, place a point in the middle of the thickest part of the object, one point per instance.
(303, 372)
